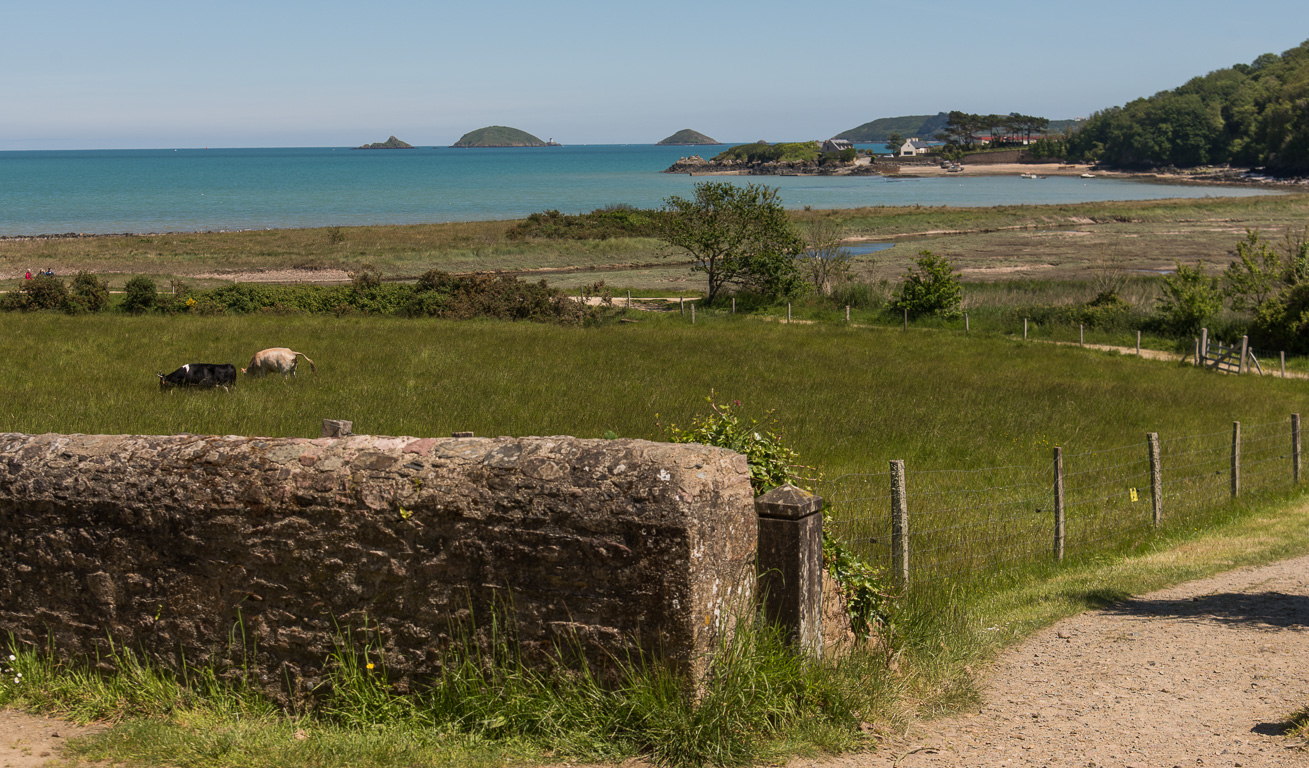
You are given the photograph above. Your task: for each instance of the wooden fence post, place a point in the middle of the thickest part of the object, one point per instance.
(1138, 343)
(1081, 334)
(847, 313)
(1236, 459)
(1295, 447)
(1283, 364)
(1245, 351)
(681, 304)
(629, 299)
(1196, 360)
(965, 322)
(906, 318)
(734, 305)
(1204, 347)
(899, 525)
(1058, 503)
(790, 564)
(1024, 329)
(788, 313)
(693, 313)
(1156, 479)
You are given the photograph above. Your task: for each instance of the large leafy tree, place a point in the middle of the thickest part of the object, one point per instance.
(736, 236)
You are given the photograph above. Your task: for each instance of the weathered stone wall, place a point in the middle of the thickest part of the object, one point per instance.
(211, 549)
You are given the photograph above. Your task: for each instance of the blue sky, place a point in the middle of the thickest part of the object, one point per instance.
(82, 74)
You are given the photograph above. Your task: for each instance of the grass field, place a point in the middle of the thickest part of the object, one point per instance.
(847, 398)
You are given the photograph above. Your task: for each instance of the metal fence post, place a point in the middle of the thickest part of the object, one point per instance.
(790, 564)
(1058, 503)
(899, 525)
(1295, 447)
(1236, 459)
(1156, 479)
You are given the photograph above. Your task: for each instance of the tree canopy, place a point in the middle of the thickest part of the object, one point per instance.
(1250, 114)
(736, 236)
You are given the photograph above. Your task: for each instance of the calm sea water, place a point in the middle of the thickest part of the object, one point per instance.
(176, 190)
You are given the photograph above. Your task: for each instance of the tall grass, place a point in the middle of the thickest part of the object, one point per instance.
(848, 399)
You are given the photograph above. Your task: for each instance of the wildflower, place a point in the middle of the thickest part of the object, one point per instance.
(370, 665)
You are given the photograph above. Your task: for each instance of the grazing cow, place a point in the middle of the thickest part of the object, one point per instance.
(200, 375)
(278, 359)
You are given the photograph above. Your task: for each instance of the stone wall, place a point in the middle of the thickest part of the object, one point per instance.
(232, 551)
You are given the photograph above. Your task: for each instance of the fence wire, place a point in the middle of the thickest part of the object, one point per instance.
(971, 522)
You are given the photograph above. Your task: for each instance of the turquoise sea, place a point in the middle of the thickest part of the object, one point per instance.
(180, 190)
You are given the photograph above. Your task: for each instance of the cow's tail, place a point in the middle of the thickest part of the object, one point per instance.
(312, 369)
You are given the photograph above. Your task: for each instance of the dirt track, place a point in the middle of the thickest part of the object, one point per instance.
(1201, 674)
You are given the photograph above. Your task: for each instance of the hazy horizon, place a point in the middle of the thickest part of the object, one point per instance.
(148, 74)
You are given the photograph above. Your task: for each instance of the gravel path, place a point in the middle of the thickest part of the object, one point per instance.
(1201, 674)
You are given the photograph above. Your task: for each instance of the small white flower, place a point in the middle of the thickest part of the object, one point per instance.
(11, 657)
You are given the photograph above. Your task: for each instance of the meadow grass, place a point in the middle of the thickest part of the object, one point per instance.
(847, 398)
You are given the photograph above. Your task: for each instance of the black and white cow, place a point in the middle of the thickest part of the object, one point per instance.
(200, 375)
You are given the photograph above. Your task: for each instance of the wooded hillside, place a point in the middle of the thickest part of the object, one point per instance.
(1254, 115)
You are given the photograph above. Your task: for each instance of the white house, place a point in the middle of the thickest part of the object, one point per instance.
(913, 147)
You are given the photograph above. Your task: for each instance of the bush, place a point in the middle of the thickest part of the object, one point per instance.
(46, 292)
(1191, 299)
(932, 289)
(91, 292)
(140, 294)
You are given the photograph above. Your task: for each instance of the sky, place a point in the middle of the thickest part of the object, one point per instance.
(91, 74)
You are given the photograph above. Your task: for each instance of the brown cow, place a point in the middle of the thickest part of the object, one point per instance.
(278, 359)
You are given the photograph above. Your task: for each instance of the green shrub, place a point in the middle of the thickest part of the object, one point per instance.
(618, 220)
(1191, 299)
(45, 292)
(931, 289)
(90, 291)
(139, 295)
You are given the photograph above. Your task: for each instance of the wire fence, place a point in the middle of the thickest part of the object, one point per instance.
(958, 524)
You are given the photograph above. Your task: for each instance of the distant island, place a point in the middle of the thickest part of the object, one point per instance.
(688, 138)
(391, 143)
(502, 136)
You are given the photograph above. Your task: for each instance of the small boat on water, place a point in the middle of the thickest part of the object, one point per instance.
(1088, 175)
